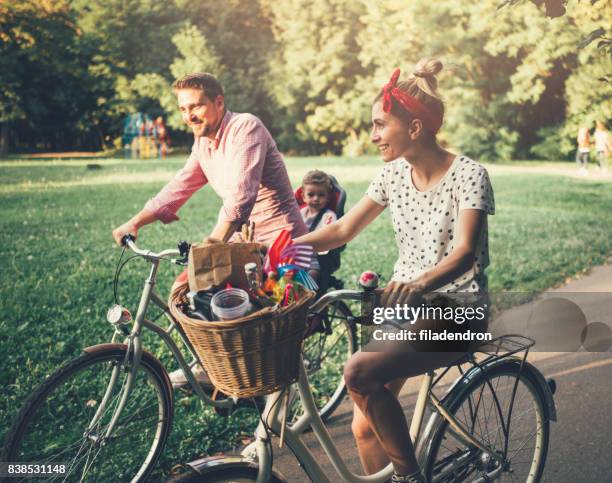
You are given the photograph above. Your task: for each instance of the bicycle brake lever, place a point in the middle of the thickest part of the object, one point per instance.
(183, 247)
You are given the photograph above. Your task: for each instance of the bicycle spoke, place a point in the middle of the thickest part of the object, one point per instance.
(525, 442)
(484, 409)
(62, 428)
(338, 339)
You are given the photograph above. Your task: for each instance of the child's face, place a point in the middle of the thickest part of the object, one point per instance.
(315, 196)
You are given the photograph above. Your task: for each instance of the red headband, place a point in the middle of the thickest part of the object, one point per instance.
(431, 120)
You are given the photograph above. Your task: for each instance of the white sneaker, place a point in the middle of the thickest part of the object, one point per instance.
(178, 378)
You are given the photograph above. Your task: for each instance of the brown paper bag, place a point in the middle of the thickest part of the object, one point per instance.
(213, 264)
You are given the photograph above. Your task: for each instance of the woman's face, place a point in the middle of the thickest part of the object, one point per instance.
(389, 134)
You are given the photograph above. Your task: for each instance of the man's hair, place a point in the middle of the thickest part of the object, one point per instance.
(200, 80)
(318, 178)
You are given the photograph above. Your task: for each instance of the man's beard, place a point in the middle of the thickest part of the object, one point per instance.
(201, 130)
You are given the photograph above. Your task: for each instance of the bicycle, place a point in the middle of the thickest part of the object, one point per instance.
(115, 403)
(481, 430)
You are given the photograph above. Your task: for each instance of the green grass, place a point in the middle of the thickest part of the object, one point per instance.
(58, 260)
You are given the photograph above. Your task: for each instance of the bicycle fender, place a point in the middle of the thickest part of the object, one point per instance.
(529, 368)
(120, 349)
(203, 466)
(455, 391)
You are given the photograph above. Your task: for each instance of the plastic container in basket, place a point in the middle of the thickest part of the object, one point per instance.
(230, 304)
(250, 356)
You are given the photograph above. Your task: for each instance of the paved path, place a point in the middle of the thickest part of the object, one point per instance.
(580, 446)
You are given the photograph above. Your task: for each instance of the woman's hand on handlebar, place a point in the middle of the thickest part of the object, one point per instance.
(398, 293)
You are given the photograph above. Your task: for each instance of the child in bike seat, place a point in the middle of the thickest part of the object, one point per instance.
(316, 192)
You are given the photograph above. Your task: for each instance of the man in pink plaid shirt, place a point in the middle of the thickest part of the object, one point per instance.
(237, 156)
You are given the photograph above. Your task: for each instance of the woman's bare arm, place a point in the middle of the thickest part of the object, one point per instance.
(459, 261)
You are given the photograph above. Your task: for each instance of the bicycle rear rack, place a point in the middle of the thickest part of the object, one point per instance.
(504, 346)
(496, 349)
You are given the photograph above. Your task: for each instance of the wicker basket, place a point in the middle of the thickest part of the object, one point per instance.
(251, 356)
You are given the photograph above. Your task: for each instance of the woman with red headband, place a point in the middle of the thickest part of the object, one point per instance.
(438, 203)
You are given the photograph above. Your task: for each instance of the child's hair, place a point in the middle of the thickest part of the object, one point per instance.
(422, 85)
(319, 178)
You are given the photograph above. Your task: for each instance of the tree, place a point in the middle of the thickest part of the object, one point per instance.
(195, 55)
(44, 81)
(313, 73)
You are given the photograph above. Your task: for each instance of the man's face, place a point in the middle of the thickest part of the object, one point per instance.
(200, 113)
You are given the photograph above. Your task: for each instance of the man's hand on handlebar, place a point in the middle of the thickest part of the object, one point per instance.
(128, 228)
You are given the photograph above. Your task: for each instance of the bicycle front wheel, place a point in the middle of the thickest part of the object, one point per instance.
(66, 420)
(483, 409)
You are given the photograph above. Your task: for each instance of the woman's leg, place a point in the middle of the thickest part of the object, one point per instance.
(372, 455)
(366, 374)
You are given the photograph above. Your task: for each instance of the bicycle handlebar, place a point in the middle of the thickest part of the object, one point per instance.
(317, 307)
(129, 241)
(334, 296)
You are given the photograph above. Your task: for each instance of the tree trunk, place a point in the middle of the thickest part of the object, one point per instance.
(4, 139)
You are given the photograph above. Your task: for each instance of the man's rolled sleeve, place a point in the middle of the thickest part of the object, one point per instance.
(248, 157)
(177, 191)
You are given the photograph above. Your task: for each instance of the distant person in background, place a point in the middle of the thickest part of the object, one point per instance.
(130, 132)
(603, 145)
(584, 147)
(147, 137)
(163, 138)
(138, 129)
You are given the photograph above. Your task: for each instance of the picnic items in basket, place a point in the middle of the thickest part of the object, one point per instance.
(213, 264)
(253, 355)
(230, 304)
(246, 353)
(270, 283)
(284, 255)
(255, 288)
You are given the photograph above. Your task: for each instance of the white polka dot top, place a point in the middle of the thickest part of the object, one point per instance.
(424, 222)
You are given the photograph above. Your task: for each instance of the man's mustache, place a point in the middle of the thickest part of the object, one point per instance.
(199, 125)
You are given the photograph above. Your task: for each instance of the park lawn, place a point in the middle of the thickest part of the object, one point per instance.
(58, 260)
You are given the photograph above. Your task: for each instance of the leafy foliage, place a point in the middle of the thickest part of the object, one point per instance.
(518, 74)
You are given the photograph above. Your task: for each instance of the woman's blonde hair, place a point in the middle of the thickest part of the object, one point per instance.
(422, 85)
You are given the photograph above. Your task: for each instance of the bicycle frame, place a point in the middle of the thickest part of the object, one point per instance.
(310, 418)
(135, 349)
(271, 414)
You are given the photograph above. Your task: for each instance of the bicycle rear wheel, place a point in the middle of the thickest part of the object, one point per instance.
(224, 473)
(325, 352)
(483, 409)
(55, 425)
